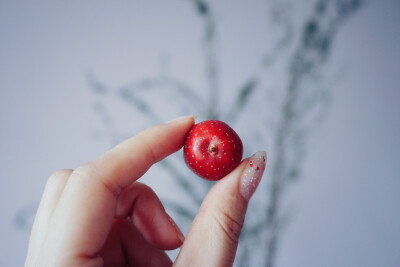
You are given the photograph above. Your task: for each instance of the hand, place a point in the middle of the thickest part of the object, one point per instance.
(99, 215)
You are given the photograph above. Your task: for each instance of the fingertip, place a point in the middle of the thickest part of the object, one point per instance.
(158, 228)
(227, 188)
(178, 231)
(141, 205)
(252, 174)
(190, 118)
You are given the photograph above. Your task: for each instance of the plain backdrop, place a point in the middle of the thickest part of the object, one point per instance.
(346, 207)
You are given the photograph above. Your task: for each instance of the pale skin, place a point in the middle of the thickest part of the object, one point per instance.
(100, 215)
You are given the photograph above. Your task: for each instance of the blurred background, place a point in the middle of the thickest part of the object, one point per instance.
(315, 83)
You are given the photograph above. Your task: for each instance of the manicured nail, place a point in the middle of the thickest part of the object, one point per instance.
(252, 174)
(177, 230)
(183, 118)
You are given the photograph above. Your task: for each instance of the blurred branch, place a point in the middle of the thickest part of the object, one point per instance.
(95, 85)
(180, 209)
(313, 50)
(242, 99)
(24, 217)
(206, 14)
(128, 95)
(156, 83)
(253, 230)
(281, 18)
(109, 127)
(182, 181)
(243, 257)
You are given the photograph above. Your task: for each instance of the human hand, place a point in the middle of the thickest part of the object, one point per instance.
(99, 215)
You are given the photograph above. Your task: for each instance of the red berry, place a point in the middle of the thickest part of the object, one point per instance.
(212, 149)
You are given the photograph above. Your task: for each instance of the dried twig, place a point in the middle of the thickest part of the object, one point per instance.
(311, 53)
(182, 181)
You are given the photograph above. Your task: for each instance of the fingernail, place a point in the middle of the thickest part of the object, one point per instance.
(183, 118)
(252, 174)
(177, 230)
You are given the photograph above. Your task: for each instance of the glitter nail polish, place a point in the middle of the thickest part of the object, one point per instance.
(252, 174)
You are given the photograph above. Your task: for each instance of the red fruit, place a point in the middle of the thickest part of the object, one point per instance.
(212, 149)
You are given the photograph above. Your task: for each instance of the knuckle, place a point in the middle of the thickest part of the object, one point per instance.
(57, 177)
(146, 193)
(85, 170)
(230, 223)
(150, 152)
(89, 173)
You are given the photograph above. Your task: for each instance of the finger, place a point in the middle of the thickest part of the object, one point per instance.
(52, 192)
(125, 246)
(141, 253)
(138, 252)
(86, 209)
(145, 210)
(216, 229)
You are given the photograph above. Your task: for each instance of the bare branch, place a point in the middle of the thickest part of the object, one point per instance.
(313, 50)
(129, 96)
(254, 230)
(109, 130)
(180, 209)
(24, 217)
(210, 55)
(243, 257)
(182, 181)
(242, 99)
(95, 85)
(281, 18)
(180, 87)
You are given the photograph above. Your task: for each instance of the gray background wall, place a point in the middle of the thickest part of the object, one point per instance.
(344, 210)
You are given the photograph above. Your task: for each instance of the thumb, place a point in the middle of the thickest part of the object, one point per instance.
(213, 237)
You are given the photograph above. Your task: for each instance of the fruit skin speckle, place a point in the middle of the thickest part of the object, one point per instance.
(212, 149)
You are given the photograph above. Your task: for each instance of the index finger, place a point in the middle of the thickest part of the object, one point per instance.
(86, 208)
(129, 160)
